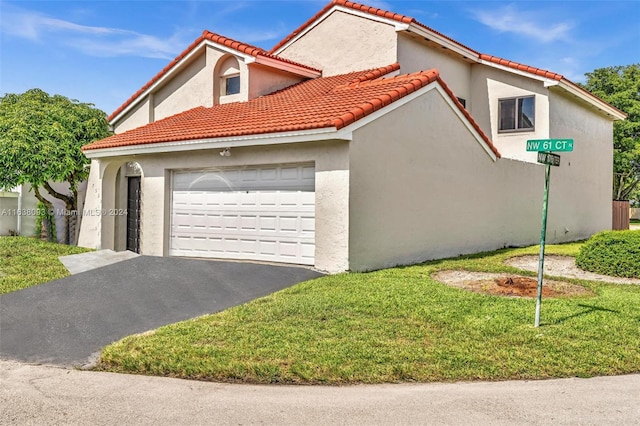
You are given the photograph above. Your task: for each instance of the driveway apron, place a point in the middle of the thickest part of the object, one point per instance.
(68, 321)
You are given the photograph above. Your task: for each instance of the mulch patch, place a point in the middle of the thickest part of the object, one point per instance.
(509, 285)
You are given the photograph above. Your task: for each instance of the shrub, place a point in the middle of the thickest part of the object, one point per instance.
(614, 253)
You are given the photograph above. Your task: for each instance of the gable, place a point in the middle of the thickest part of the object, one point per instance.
(193, 79)
(310, 36)
(311, 110)
(341, 42)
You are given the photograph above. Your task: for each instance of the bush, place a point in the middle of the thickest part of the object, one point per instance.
(614, 253)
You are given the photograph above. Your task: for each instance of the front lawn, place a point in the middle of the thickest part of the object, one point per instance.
(25, 262)
(397, 325)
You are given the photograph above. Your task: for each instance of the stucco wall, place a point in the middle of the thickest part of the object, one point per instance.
(344, 43)
(191, 87)
(139, 115)
(416, 56)
(587, 172)
(9, 212)
(332, 176)
(421, 187)
(264, 80)
(488, 86)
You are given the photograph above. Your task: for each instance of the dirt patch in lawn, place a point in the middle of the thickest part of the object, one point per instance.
(509, 285)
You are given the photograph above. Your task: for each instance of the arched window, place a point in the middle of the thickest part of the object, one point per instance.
(229, 74)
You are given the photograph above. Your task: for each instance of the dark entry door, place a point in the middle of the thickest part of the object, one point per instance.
(133, 214)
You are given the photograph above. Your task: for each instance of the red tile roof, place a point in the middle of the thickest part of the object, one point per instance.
(216, 38)
(409, 20)
(521, 67)
(329, 102)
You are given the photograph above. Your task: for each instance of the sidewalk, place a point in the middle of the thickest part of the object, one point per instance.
(42, 395)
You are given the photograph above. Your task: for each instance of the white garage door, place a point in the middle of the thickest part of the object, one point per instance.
(255, 212)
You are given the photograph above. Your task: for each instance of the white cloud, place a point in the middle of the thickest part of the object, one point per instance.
(90, 40)
(509, 19)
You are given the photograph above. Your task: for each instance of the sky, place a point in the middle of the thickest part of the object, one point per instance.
(101, 52)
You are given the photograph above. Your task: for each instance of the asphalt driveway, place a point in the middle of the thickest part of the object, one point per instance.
(68, 321)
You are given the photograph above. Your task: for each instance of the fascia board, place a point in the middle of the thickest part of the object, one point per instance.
(285, 66)
(442, 41)
(593, 100)
(329, 133)
(398, 25)
(546, 81)
(405, 100)
(169, 74)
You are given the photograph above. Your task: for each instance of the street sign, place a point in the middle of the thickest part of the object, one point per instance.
(549, 158)
(559, 145)
(544, 146)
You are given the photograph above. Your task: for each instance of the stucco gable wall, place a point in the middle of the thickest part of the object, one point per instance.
(264, 80)
(488, 85)
(190, 88)
(421, 187)
(344, 43)
(137, 116)
(414, 55)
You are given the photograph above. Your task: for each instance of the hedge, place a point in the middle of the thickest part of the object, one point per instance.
(615, 253)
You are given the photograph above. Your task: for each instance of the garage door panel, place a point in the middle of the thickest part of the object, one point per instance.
(259, 213)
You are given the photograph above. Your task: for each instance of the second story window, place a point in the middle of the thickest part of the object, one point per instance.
(231, 85)
(228, 74)
(516, 114)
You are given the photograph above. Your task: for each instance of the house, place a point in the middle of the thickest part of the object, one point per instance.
(19, 207)
(13, 203)
(363, 140)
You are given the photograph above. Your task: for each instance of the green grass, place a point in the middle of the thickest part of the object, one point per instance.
(614, 253)
(396, 325)
(25, 262)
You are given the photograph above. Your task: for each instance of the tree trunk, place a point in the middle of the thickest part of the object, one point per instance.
(47, 227)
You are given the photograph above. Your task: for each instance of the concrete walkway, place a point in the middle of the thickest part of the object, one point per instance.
(38, 395)
(76, 263)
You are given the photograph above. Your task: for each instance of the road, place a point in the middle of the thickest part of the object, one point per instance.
(46, 395)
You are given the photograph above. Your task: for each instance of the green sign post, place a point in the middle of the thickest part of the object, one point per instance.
(544, 146)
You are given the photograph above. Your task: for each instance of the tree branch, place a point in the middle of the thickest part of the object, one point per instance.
(69, 201)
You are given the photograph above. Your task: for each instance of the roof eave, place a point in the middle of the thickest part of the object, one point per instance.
(327, 133)
(399, 26)
(444, 42)
(261, 59)
(196, 50)
(591, 99)
(287, 67)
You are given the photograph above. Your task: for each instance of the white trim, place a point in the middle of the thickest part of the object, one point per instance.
(397, 104)
(546, 81)
(467, 123)
(442, 41)
(596, 102)
(159, 82)
(328, 133)
(399, 26)
(286, 66)
(248, 59)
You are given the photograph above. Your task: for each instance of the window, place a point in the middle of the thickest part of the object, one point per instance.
(516, 114)
(232, 85)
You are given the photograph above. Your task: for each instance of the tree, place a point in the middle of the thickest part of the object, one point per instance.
(620, 86)
(40, 141)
